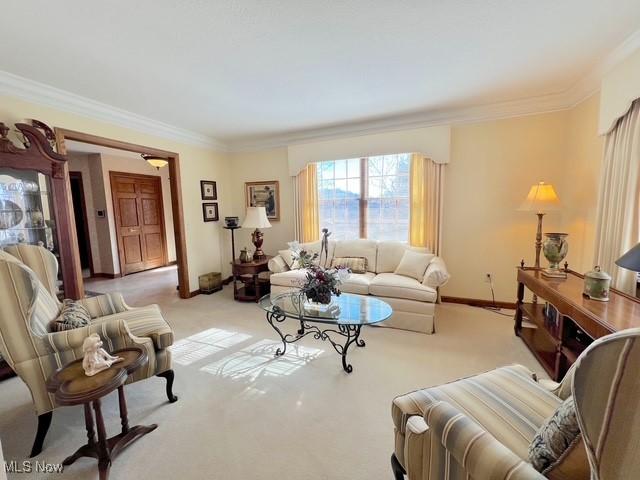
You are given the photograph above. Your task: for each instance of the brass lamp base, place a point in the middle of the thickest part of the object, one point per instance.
(256, 238)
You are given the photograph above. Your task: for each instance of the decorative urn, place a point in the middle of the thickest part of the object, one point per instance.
(244, 256)
(555, 249)
(596, 285)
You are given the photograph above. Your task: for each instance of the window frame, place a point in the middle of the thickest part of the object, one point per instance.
(364, 194)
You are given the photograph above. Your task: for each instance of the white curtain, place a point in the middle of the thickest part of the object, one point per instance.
(618, 224)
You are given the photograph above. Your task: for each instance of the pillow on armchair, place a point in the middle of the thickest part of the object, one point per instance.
(72, 315)
(557, 450)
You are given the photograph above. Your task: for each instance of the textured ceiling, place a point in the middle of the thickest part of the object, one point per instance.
(237, 70)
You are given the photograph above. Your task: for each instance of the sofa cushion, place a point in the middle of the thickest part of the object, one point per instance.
(358, 248)
(358, 283)
(414, 264)
(397, 286)
(390, 254)
(290, 278)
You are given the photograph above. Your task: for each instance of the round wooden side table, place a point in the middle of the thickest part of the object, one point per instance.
(71, 386)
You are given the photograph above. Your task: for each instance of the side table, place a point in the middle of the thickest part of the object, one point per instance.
(71, 386)
(252, 287)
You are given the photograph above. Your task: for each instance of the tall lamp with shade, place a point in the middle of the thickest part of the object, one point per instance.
(542, 198)
(257, 218)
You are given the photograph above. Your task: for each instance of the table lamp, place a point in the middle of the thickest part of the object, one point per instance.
(256, 218)
(541, 199)
(631, 259)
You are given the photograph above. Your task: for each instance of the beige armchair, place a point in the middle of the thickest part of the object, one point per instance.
(27, 306)
(480, 427)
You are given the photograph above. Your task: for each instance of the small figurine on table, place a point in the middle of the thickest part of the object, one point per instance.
(96, 358)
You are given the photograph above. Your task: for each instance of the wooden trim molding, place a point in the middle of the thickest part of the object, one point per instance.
(173, 158)
(477, 302)
(194, 293)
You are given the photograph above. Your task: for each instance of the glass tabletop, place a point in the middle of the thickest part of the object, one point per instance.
(345, 309)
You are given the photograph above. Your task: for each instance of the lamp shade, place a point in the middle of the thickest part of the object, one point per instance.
(256, 218)
(631, 259)
(542, 198)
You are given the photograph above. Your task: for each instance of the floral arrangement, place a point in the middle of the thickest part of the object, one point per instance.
(320, 283)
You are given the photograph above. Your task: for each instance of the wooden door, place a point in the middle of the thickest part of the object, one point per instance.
(139, 219)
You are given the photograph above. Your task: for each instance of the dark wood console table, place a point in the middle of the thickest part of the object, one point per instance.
(557, 342)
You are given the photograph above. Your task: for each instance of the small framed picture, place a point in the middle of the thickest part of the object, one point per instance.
(208, 190)
(210, 212)
(264, 194)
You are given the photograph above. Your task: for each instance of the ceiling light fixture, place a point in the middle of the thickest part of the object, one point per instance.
(155, 161)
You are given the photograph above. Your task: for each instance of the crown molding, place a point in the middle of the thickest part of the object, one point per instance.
(41, 94)
(564, 100)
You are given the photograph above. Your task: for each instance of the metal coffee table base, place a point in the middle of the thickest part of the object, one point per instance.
(349, 332)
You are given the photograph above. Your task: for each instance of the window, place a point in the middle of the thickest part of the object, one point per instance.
(365, 197)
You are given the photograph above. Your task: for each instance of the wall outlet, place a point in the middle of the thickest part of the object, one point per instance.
(488, 278)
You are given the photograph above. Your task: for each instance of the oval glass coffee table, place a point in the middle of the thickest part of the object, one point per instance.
(339, 323)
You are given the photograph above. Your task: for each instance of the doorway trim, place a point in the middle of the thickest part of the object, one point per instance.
(83, 203)
(116, 210)
(173, 158)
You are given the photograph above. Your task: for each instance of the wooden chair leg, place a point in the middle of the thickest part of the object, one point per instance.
(169, 375)
(44, 422)
(398, 471)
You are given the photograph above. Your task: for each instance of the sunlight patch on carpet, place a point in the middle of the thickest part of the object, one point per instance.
(203, 344)
(258, 360)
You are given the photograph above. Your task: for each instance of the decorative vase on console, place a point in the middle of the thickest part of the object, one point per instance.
(555, 249)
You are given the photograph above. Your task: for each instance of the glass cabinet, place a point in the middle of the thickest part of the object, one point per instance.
(35, 200)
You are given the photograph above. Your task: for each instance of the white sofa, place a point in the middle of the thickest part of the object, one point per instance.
(413, 302)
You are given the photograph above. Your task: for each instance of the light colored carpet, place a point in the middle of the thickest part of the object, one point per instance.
(243, 414)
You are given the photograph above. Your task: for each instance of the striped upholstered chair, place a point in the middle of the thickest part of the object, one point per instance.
(27, 306)
(481, 427)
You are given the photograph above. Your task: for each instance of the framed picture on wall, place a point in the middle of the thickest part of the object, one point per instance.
(208, 190)
(210, 212)
(264, 194)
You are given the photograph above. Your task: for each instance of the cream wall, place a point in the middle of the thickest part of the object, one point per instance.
(259, 166)
(112, 163)
(581, 182)
(620, 87)
(493, 165)
(97, 187)
(433, 142)
(205, 241)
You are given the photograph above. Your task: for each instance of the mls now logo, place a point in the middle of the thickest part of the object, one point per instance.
(30, 467)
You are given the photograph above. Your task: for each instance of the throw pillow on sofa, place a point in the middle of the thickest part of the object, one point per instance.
(355, 264)
(414, 264)
(287, 256)
(72, 315)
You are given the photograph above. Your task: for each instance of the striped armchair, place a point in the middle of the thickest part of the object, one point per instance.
(27, 306)
(480, 427)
